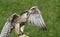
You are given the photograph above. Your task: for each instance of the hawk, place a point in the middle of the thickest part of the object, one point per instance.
(32, 15)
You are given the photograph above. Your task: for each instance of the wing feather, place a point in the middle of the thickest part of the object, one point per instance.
(35, 17)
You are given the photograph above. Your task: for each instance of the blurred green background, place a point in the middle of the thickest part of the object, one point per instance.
(50, 11)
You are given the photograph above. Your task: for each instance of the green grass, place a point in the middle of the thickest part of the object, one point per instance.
(50, 11)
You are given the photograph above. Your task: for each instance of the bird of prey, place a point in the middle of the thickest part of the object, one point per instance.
(32, 15)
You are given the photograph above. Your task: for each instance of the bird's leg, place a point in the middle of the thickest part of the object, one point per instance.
(17, 26)
(22, 30)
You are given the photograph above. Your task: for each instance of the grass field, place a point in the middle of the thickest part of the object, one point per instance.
(50, 11)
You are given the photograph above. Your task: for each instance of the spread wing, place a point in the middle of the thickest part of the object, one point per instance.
(7, 27)
(35, 18)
